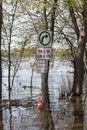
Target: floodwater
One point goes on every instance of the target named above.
(65, 116)
(57, 114)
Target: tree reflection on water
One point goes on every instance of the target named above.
(78, 106)
(67, 115)
(1, 120)
(58, 114)
(44, 116)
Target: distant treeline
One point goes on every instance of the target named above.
(31, 51)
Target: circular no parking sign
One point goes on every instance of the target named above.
(45, 38)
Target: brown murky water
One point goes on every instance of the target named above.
(57, 114)
(64, 115)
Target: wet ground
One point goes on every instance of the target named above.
(58, 114)
(63, 115)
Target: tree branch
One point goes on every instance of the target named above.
(73, 18)
(45, 16)
(53, 18)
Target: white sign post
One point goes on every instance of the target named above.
(43, 51)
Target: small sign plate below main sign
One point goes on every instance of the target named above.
(43, 53)
(42, 66)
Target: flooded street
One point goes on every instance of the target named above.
(64, 116)
(58, 114)
(43, 64)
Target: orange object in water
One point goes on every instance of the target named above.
(40, 105)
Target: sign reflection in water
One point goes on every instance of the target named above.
(44, 115)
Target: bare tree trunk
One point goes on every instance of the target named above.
(0, 50)
(79, 54)
(45, 75)
(79, 65)
(1, 119)
(18, 60)
(48, 121)
(78, 76)
(9, 50)
(9, 71)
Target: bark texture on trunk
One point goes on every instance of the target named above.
(0, 50)
(79, 54)
(78, 64)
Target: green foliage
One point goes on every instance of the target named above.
(76, 4)
(28, 52)
(61, 52)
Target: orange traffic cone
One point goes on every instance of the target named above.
(40, 105)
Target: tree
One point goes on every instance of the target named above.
(8, 33)
(66, 18)
(14, 37)
(71, 26)
(81, 34)
(45, 87)
(0, 49)
(17, 60)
